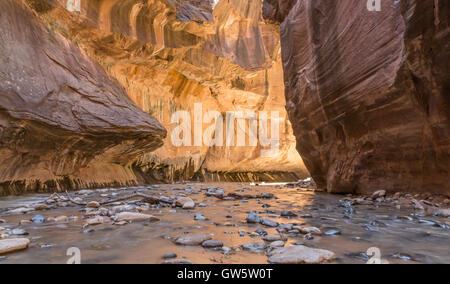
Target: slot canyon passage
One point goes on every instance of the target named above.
(89, 101)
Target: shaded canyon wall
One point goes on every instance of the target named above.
(368, 92)
(64, 123)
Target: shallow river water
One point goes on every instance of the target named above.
(400, 240)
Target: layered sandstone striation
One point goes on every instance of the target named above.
(170, 55)
(64, 123)
(368, 92)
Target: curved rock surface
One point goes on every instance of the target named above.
(64, 123)
(170, 55)
(368, 92)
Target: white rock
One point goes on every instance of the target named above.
(134, 217)
(10, 245)
(300, 255)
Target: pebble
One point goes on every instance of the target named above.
(254, 247)
(41, 207)
(427, 222)
(308, 237)
(443, 213)
(177, 261)
(212, 244)
(185, 203)
(407, 218)
(38, 219)
(378, 194)
(10, 245)
(269, 223)
(300, 255)
(93, 204)
(332, 232)
(97, 220)
(134, 217)
(21, 210)
(260, 232)
(170, 255)
(277, 244)
(199, 217)
(272, 238)
(192, 239)
(88, 231)
(242, 233)
(309, 230)
(18, 232)
(253, 218)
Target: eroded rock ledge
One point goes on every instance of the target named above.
(64, 123)
(368, 92)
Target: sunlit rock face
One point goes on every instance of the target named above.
(368, 92)
(170, 55)
(64, 123)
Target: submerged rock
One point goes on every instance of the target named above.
(300, 255)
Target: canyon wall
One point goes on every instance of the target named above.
(170, 55)
(368, 92)
(64, 123)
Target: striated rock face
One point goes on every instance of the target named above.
(64, 123)
(170, 55)
(368, 92)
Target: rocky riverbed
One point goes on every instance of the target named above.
(224, 223)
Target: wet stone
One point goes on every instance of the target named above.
(212, 244)
(332, 232)
(272, 238)
(269, 223)
(177, 261)
(300, 255)
(11, 245)
(277, 244)
(261, 232)
(200, 217)
(38, 219)
(192, 239)
(254, 247)
(170, 255)
(253, 218)
(19, 232)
